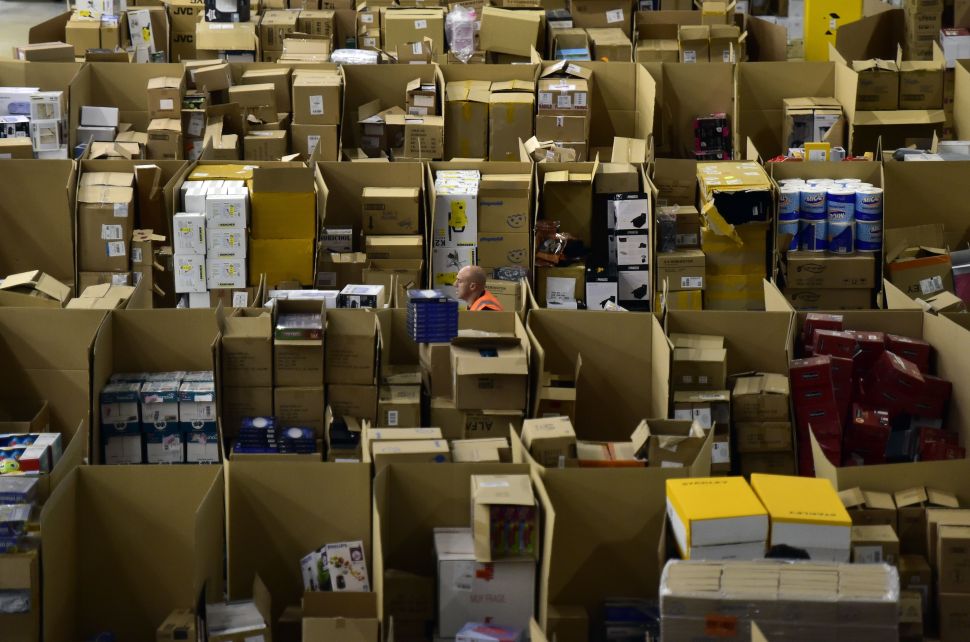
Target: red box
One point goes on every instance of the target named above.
(871, 346)
(915, 350)
(917, 423)
(817, 321)
(868, 417)
(823, 417)
(936, 393)
(813, 372)
(834, 343)
(935, 444)
(842, 370)
(867, 436)
(899, 374)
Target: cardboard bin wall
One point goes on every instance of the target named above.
(625, 364)
(39, 223)
(151, 341)
(274, 521)
(106, 529)
(690, 91)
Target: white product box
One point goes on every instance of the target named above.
(225, 242)
(15, 101)
(189, 234)
(226, 273)
(455, 212)
(633, 285)
(140, 28)
(197, 402)
(53, 154)
(445, 263)
(599, 293)
(633, 214)
(99, 116)
(198, 300)
(170, 450)
(122, 449)
(464, 593)
(189, 273)
(45, 135)
(361, 296)
(348, 568)
(337, 239)
(97, 134)
(48, 105)
(201, 448)
(632, 249)
(227, 210)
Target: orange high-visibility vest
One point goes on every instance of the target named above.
(486, 302)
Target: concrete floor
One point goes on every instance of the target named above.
(17, 17)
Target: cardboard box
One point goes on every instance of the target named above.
(274, 26)
(394, 247)
(83, 33)
(404, 26)
(774, 463)
(358, 402)
(472, 424)
(708, 407)
(954, 614)
(504, 250)
(415, 451)
(762, 397)
(105, 221)
(829, 299)
(562, 128)
(238, 403)
(165, 139)
(874, 544)
(498, 382)
(611, 45)
(216, 77)
(658, 50)
(421, 98)
(391, 210)
(281, 260)
(348, 616)
(504, 501)
(399, 406)
(564, 90)
(466, 111)
(869, 508)
(695, 43)
(601, 14)
(811, 270)
(668, 443)
(317, 98)
(510, 119)
(416, 137)
(315, 142)
(283, 204)
(280, 78)
(352, 353)
(551, 441)
(247, 350)
(504, 203)
(213, 38)
(683, 270)
(921, 84)
(256, 101)
(316, 23)
(699, 369)
(953, 559)
(878, 85)
(165, 97)
(763, 436)
(511, 32)
(265, 145)
(808, 120)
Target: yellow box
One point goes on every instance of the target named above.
(821, 27)
(284, 203)
(281, 260)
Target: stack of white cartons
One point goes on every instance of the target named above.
(210, 239)
(455, 235)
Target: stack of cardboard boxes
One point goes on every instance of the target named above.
(183, 15)
(299, 333)
(563, 114)
(247, 368)
(106, 215)
(698, 383)
(736, 203)
(924, 19)
(510, 113)
(391, 212)
(317, 103)
(284, 227)
(227, 32)
(454, 225)
(352, 355)
(762, 424)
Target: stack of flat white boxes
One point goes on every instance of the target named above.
(210, 239)
(455, 235)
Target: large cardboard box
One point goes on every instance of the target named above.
(105, 221)
(317, 98)
(404, 26)
(283, 202)
(281, 260)
(348, 616)
(467, 114)
(496, 377)
(511, 32)
(103, 519)
(247, 349)
(353, 346)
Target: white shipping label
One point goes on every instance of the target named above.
(703, 417)
(690, 55)
(392, 417)
(136, 255)
(5, 156)
(121, 210)
(702, 380)
(424, 101)
(692, 282)
(420, 24)
(417, 48)
(119, 279)
(720, 453)
(312, 141)
(564, 101)
(579, 100)
(116, 248)
(545, 99)
(465, 576)
(240, 299)
(726, 56)
(111, 232)
(367, 18)
(560, 121)
(166, 104)
(196, 124)
(219, 26)
(614, 16)
(316, 105)
(671, 464)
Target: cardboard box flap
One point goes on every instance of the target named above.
(900, 117)
(513, 86)
(567, 68)
(262, 600)
(879, 500)
(852, 497)
(628, 150)
(283, 179)
(476, 91)
(113, 179)
(900, 239)
(942, 498)
(37, 281)
(326, 604)
(515, 490)
(915, 496)
(17, 571)
(103, 194)
(165, 124)
(874, 65)
(505, 364)
(766, 383)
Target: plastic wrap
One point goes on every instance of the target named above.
(460, 31)
(790, 600)
(355, 57)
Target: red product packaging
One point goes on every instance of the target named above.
(898, 374)
(813, 372)
(915, 350)
(867, 417)
(817, 321)
(936, 393)
(867, 436)
(934, 444)
(871, 346)
(834, 343)
(842, 370)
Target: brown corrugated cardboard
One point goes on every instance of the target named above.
(390, 210)
(869, 508)
(399, 406)
(358, 402)
(811, 270)
(105, 221)
(611, 45)
(878, 85)
(466, 110)
(551, 441)
(299, 407)
(874, 544)
(761, 397)
(165, 139)
(511, 32)
(247, 349)
(316, 98)
(351, 357)
(347, 616)
(472, 424)
(510, 119)
(125, 505)
(403, 26)
(763, 436)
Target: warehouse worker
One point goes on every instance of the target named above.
(470, 284)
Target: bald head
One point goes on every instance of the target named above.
(470, 283)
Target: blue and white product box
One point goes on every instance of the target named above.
(128, 377)
(176, 375)
(120, 404)
(15, 489)
(197, 407)
(159, 404)
(121, 448)
(198, 375)
(164, 445)
(201, 448)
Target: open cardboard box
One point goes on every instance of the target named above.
(151, 341)
(611, 402)
(107, 528)
(410, 501)
(268, 537)
(39, 223)
(689, 91)
(351, 617)
(48, 353)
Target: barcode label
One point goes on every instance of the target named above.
(579, 100)
(690, 56)
(116, 248)
(564, 102)
(720, 453)
(392, 417)
(119, 279)
(316, 105)
(166, 104)
(121, 210)
(420, 24)
(865, 554)
(111, 232)
(136, 255)
(931, 285)
(692, 282)
(311, 144)
(614, 16)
